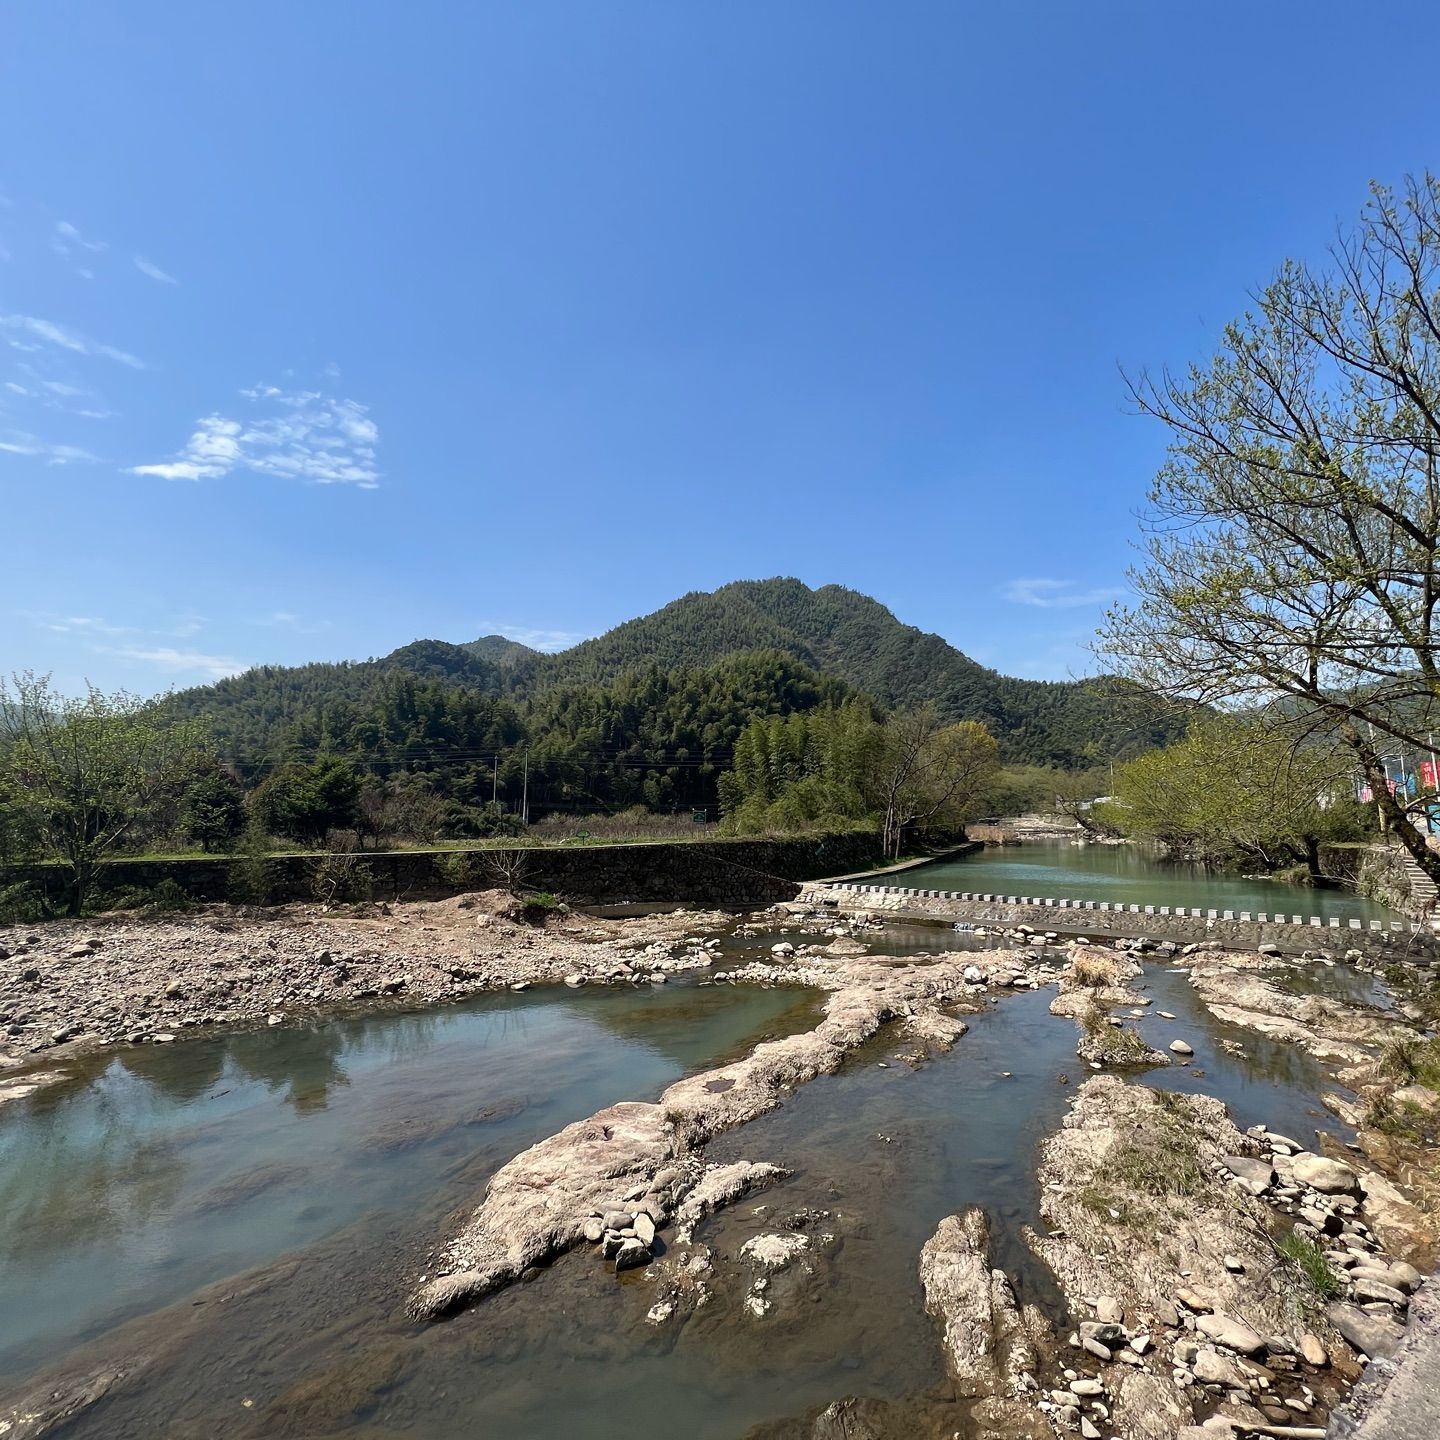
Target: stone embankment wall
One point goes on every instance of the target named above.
(1385, 873)
(1239, 929)
(737, 873)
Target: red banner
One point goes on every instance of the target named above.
(1427, 775)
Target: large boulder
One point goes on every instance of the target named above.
(1226, 1330)
(1329, 1177)
(1372, 1335)
(985, 1338)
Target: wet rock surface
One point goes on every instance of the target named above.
(1326, 1027)
(991, 1348)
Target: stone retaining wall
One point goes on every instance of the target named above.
(1241, 929)
(738, 873)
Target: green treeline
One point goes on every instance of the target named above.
(652, 737)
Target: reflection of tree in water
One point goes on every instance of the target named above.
(397, 1037)
(87, 1169)
(300, 1065)
(180, 1072)
(668, 1022)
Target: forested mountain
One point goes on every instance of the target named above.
(840, 632)
(653, 736)
(648, 712)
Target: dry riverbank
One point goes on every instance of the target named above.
(69, 986)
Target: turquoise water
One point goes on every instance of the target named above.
(1129, 875)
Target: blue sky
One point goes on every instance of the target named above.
(326, 326)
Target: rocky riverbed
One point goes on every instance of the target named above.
(1214, 1280)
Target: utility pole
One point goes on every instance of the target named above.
(495, 782)
(525, 790)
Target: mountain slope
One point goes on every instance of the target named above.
(832, 631)
(843, 633)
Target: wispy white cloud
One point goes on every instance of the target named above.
(68, 238)
(536, 639)
(289, 620)
(150, 268)
(30, 333)
(306, 435)
(62, 395)
(32, 447)
(77, 624)
(1051, 594)
(179, 662)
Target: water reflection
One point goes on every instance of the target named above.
(160, 1168)
(301, 1075)
(877, 1156)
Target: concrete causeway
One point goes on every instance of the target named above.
(1242, 929)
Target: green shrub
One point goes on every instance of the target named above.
(169, 895)
(456, 869)
(22, 904)
(537, 907)
(1307, 1262)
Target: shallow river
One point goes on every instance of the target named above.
(1130, 875)
(324, 1162)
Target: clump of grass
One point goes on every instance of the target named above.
(1160, 1161)
(1110, 1043)
(1413, 1062)
(1403, 1120)
(1420, 988)
(538, 906)
(1162, 1165)
(1306, 1260)
(1399, 1059)
(1121, 1046)
(1094, 969)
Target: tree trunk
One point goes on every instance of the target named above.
(1312, 859)
(1392, 812)
(79, 885)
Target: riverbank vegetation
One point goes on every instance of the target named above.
(908, 773)
(1238, 794)
(1292, 558)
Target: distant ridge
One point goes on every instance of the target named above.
(836, 632)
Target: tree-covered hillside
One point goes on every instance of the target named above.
(653, 736)
(647, 712)
(840, 632)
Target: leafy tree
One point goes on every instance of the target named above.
(1237, 791)
(306, 802)
(931, 775)
(1293, 554)
(213, 807)
(405, 807)
(841, 764)
(252, 873)
(84, 772)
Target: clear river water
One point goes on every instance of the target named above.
(1130, 875)
(238, 1219)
